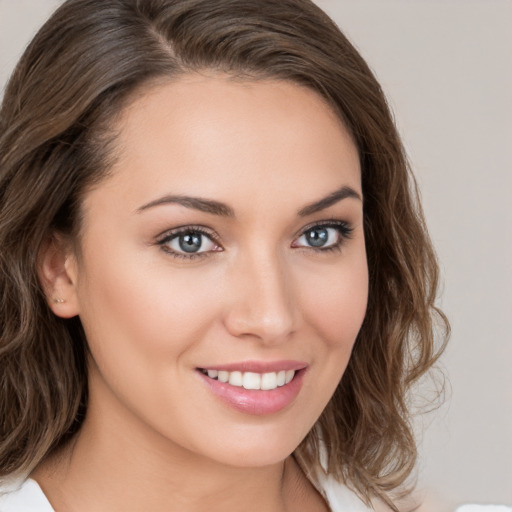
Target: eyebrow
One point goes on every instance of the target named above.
(195, 203)
(223, 210)
(330, 200)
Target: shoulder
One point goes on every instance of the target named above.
(23, 496)
(339, 497)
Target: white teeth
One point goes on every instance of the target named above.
(236, 379)
(252, 380)
(269, 381)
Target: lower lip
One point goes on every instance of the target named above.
(254, 401)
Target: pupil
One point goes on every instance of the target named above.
(317, 237)
(190, 242)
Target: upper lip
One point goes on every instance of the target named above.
(258, 366)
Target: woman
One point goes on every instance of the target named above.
(217, 283)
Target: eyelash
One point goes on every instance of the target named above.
(175, 233)
(344, 229)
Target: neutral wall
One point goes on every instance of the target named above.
(446, 66)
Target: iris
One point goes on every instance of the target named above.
(317, 237)
(190, 242)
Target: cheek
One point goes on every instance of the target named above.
(334, 303)
(132, 308)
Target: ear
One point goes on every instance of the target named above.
(58, 272)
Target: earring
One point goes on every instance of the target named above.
(58, 301)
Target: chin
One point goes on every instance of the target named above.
(257, 448)
(258, 457)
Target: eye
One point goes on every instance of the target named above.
(324, 236)
(188, 243)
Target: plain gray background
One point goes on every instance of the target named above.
(446, 67)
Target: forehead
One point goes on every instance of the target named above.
(233, 140)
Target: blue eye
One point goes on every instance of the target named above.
(324, 236)
(188, 243)
(194, 242)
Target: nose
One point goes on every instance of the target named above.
(262, 305)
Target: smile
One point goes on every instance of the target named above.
(252, 380)
(256, 387)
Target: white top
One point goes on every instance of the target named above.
(27, 496)
(484, 508)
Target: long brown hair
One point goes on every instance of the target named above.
(56, 140)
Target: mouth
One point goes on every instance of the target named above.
(256, 388)
(251, 380)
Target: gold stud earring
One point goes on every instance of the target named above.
(58, 301)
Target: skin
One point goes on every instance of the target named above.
(155, 437)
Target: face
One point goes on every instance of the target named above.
(222, 276)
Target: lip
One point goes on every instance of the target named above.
(257, 402)
(258, 366)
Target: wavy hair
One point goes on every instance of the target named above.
(56, 139)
